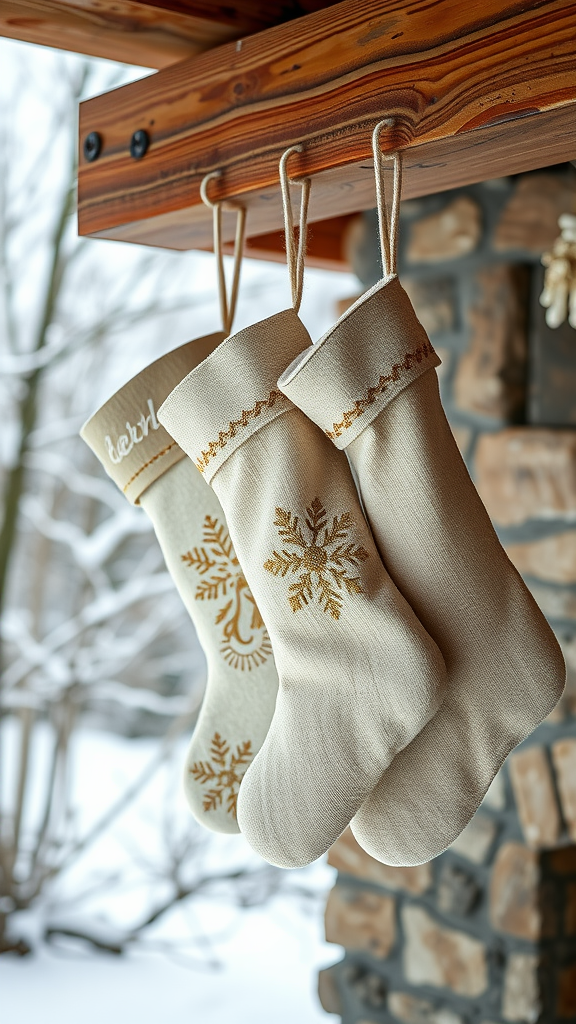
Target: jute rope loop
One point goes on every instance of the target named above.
(295, 254)
(229, 302)
(388, 227)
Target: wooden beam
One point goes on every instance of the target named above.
(327, 244)
(477, 90)
(152, 33)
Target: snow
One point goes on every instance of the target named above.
(206, 962)
(268, 977)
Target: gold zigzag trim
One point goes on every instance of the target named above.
(359, 408)
(235, 425)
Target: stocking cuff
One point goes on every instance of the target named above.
(234, 393)
(126, 435)
(375, 350)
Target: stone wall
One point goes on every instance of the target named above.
(486, 933)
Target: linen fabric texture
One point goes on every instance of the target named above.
(370, 385)
(359, 676)
(152, 470)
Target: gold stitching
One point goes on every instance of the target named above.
(149, 463)
(360, 406)
(222, 772)
(245, 642)
(322, 561)
(237, 659)
(225, 435)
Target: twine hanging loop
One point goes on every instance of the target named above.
(388, 227)
(228, 302)
(295, 254)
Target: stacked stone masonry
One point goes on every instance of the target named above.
(486, 933)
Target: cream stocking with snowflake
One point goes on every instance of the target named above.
(359, 675)
(370, 385)
(154, 472)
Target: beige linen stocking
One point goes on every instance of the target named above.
(370, 384)
(359, 677)
(151, 470)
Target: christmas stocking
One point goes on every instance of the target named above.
(153, 471)
(359, 676)
(371, 386)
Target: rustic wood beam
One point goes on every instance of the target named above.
(152, 33)
(476, 90)
(327, 246)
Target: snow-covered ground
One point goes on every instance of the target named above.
(268, 978)
(207, 961)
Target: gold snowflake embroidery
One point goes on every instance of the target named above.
(322, 562)
(222, 772)
(245, 642)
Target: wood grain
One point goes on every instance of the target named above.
(477, 90)
(151, 33)
(326, 245)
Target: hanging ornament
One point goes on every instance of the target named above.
(559, 293)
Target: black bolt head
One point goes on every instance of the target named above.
(92, 146)
(139, 144)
